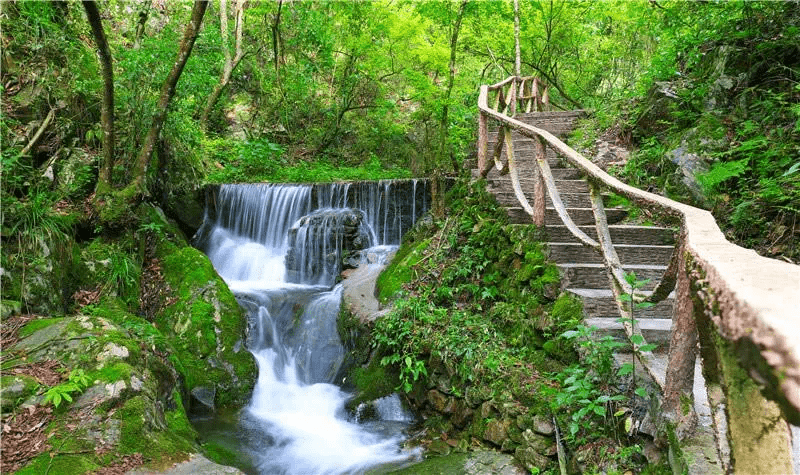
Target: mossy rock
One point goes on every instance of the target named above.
(14, 389)
(132, 403)
(205, 325)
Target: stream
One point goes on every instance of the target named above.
(280, 249)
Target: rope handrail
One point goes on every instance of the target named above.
(746, 299)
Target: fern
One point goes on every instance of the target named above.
(720, 172)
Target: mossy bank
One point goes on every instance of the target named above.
(151, 333)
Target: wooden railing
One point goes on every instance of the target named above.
(742, 308)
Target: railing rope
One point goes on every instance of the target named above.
(740, 307)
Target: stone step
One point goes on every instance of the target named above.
(654, 330)
(620, 234)
(593, 276)
(628, 253)
(527, 185)
(559, 173)
(527, 169)
(570, 200)
(600, 303)
(554, 115)
(580, 216)
(524, 148)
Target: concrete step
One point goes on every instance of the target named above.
(553, 115)
(570, 200)
(593, 276)
(654, 330)
(600, 303)
(628, 253)
(620, 234)
(527, 184)
(559, 173)
(580, 216)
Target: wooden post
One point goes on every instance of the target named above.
(538, 183)
(483, 139)
(678, 403)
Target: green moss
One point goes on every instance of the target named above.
(400, 271)
(113, 373)
(36, 325)
(220, 454)
(14, 389)
(58, 465)
(205, 325)
(141, 434)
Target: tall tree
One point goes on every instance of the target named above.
(230, 62)
(167, 92)
(445, 126)
(107, 110)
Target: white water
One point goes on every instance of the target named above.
(296, 420)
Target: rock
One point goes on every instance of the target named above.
(437, 400)
(608, 154)
(497, 431)
(112, 350)
(496, 463)
(196, 465)
(205, 397)
(14, 389)
(439, 447)
(542, 425)
(531, 459)
(689, 166)
(318, 241)
(9, 308)
(543, 445)
(205, 324)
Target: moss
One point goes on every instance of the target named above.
(36, 325)
(400, 271)
(220, 454)
(140, 432)
(177, 421)
(205, 325)
(14, 389)
(113, 373)
(58, 465)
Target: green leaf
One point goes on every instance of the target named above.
(599, 410)
(642, 392)
(637, 339)
(625, 369)
(628, 424)
(648, 347)
(794, 167)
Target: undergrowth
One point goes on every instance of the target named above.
(478, 297)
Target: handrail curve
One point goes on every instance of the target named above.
(749, 300)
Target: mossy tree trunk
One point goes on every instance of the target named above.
(107, 112)
(230, 62)
(445, 130)
(167, 92)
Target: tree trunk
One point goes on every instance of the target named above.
(445, 130)
(276, 44)
(167, 92)
(107, 111)
(230, 64)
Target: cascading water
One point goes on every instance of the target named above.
(280, 248)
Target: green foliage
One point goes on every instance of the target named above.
(260, 160)
(78, 381)
(477, 297)
(586, 391)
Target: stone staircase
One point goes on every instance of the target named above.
(645, 250)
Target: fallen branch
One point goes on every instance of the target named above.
(38, 134)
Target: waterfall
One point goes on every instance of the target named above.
(280, 250)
